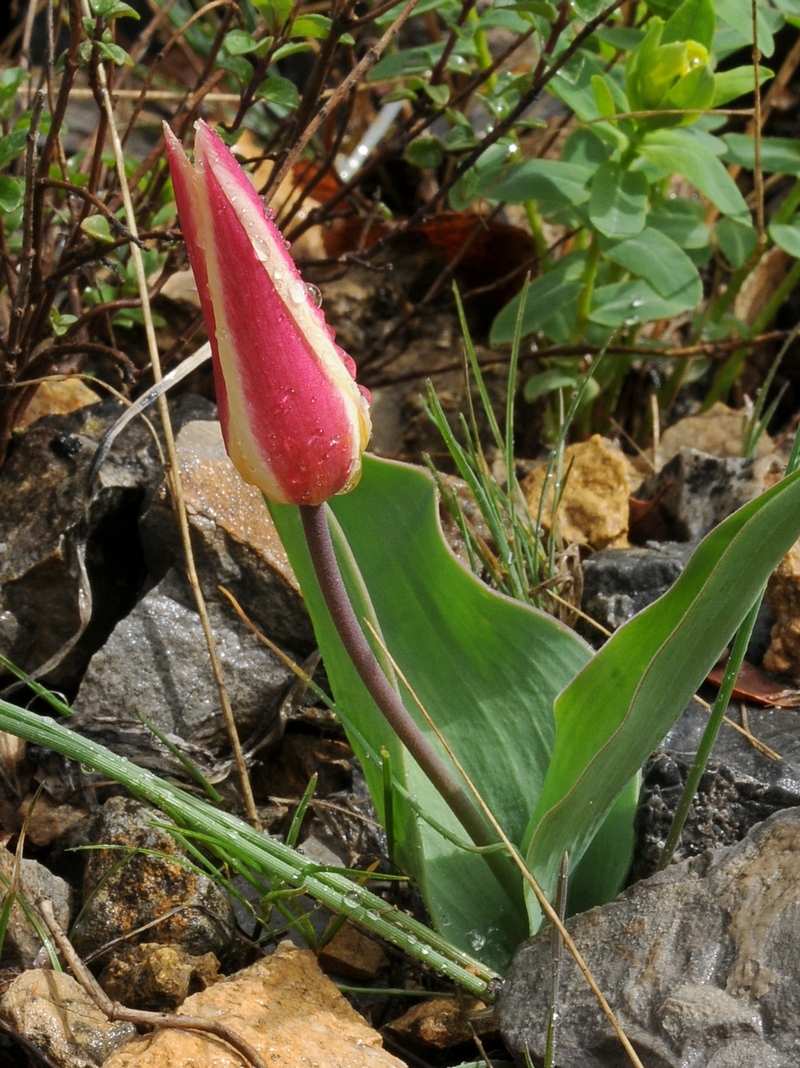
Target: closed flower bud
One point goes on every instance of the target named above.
(294, 421)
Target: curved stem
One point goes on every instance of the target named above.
(326, 567)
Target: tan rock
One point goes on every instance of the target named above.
(47, 820)
(783, 598)
(57, 398)
(216, 495)
(284, 1007)
(443, 1022)
(594, 505)
(717, 432)
(58, 1016)
(352, 954)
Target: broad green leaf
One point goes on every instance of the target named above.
(694, 20)
(547, 382)
(629, 303)
(661, 263)
(12, 146)
(279, 91)
(678, 150)
(736, 240)
(487, 669)
(618, 203)
(603, 97)
(787, 236)
(481, 179)
(548, 181)
(547, 296)
(239, 43)
(683, 221)
(585, 149)
(779, 155)
(612, 716)
(311, 25)
(731, 84)
(739, 17)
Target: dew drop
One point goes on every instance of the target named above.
(286, 244)
(270, 213)
(315, 294)
(351, 899)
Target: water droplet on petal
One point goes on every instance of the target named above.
(315, 293)
(287, 244)
(270, 213)
(297, 292)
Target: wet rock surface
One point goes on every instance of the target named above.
(156, 663)
(741, 786)
(701, 964)
(57, 1015)
(124, 890)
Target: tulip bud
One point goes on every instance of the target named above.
(294, 421)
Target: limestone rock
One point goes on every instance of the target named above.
(283, 1006)
(58, 1016)
(618, 583)
(717, 432)
(594, 505)
(121, 894)
(701, 964)
(57, 397)
(353, 954)
(442, 1023)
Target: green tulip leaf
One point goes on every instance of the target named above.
(620, 706)
(486, 668)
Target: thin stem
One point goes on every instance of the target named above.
(326, 568)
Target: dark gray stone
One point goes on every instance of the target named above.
(701, 965)
(156, 662)
(618, 583)
(740, 787)
(696, 491)
(124, 891)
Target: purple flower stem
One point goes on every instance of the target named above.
(326, 567)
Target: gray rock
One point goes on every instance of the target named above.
(234, 540)
(122, 891)
(696, 491)
(55, 1013)
(156, 662)
(22, 945)
(618, 583)
(701, 965)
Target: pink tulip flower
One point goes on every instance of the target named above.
(294, 421)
